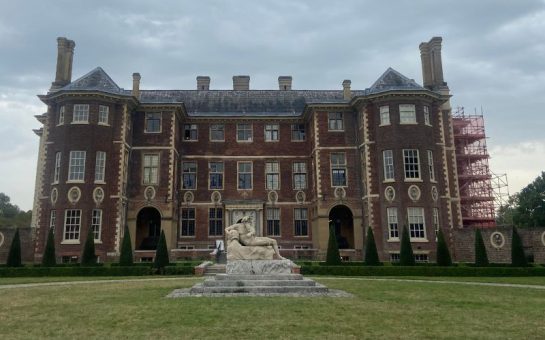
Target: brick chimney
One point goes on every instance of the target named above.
(65, 56)
(284, 83)
(203, 83)
(432, 65)
(347, 94)
(136, 85)
(241, 83)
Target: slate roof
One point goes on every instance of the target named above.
(242, 103)
(96, 80)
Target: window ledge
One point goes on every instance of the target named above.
(97, 242)
(187, 237)
(335, 130)
(75, 181)
(189, 188)
(419, 240)
(60, 124)
(384, 125)
(214, 189)
(153, 132)
(100, 182)
(103, 124)
(70, 242)
(250, 189)
(217, 141)
(80, 123)
(191, 140)
(389, 181)
(413, 180)
(393, 239)
(272, 141)
(433, 181)
(301, 236)
(298, 141)
(411, 123)
(244, 141)
(429, 125)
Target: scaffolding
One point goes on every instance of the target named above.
(474, 176)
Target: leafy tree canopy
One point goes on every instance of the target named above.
(11, 215)
(526, 208)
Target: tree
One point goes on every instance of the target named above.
(527, 208)
(481, 258)
(88, 257)
(14, 255)
(333, 256)
(371, 254)
(406, 256)
(161, 254)
(443, 254)
(11, 215)
(49, 259)
(518, 259)
(126, 257)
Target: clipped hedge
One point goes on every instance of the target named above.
(178, 270)
(421, 271)
(74, 271)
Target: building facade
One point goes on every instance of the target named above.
(191, 162)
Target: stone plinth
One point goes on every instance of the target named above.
(260, 267)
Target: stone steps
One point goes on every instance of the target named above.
(214, 270)
(259, 283)
(259, 290)
(242, 277)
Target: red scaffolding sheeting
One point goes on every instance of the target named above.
(474, 176)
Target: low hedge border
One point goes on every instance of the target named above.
(421, 271)
(74, 271)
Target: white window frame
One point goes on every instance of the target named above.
(191, 132)
(60, 118)
(245, 172)
(421, 258)
(410, 168)
(215, 219)
(103, 115)
(435, 221)
(338, 166)
(53, 219)
(153, 116)
(76, 167)
(297, 132)
(335, 121)
(272, 132)
(272, 175)
(188, 222)
(431, 167)
(388, 165)
(80, 114)
(417, 223)
(299, 170)
(217, 127)
(190, 172)
(427, 120)
(245, 128)
(150, 168)
(384, 115)
(100, 167)
(213, 170)
(96, 224)
(407, 114)
(72, 226)
(300, 222)
(57, 167)
(393, 223)
(273, 222)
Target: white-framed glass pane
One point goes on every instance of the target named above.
(57, 172)
(272, 175)
(189, 175)
(72, 223)
(188, 222)
(245, 175)
(60, 119)
(335, 121)
(96, 223)
(431, 168)
(427, 115)
(300, 221)
(411, 162)
(216, 175)
(388, 161)
(52, 219)
(407, 114)
(153, 122)
(384, 115)
(244, 132)
(100, 166)
(272, 132)
(273, 221)
(298, 132)
(217, 132)
(215, 221)
(415, 217)
(393, 230)
(76, 171)
(338, 169)
(103, 113)
(299, 175)
(151, 169)
(191, 132)
(81, 113)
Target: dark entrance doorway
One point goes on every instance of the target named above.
(344, 226)
(148, 229)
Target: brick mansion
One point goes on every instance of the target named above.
(192, 162)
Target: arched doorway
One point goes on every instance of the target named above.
(344, 226)
(148, 229)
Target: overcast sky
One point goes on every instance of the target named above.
(493, 58)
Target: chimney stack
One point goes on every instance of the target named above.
(203, 83)
(241, 83)
(65, 56)
(136, 85)
(284, 83)
(347, 94)
(432, 65)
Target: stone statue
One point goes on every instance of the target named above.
(242, 244)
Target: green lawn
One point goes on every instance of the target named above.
(380, 309)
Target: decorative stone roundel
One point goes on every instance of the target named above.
(273, 197)
(188, 197)
(340, 193)
(543, 238)
(300, 197)
(414, 193)
(497, 239)
(216, 197)
(98, 195)
(389, 193)
(434, 193)
(1, 239)
(74, 194)
(54, 196)
(149, 193)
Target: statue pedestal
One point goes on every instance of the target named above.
(261, 267)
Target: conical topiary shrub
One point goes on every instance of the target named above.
(161, 254)
(49, 259)
(406, 256)
(126, 257)
(333, 256)
(518, 259)
(88, 257)
(481, 258)
(443, 254)
(14, 255)
(371, 253)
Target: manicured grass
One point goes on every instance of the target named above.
(22, 280)
(379, 309)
